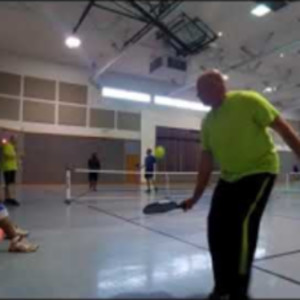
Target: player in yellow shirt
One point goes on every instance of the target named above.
(15, 234)
(235, 134)
(9, 168)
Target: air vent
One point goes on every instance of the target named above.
(169, 68)
(175, 63)
(169, 62)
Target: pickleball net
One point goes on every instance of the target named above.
(122, 184)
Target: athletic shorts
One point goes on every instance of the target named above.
(9, 177)
(149, 175)
(93, 176)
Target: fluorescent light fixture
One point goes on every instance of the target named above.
(260, 10)
(72, 41)
(125, 95)
(179, 103)
(270, 89)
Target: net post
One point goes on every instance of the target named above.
(68, 192)
(287, 181)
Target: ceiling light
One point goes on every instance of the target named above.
(125, 95)
(281, 55)
(225, 76)
(72, 41)
(179, 103)
(220, 33)
(268, 89)
(260, 10)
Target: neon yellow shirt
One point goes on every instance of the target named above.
(9, 158)
(238, 137)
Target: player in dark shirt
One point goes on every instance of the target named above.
(149, 164)
(93, 164)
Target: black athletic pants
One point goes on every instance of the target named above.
(233, 226)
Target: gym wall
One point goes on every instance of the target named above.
(48, 156)
(45, 98)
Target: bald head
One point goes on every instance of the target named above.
(211, 88)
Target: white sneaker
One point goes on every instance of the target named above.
(21, 232)
(22, 246)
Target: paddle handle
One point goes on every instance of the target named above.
(182, 205)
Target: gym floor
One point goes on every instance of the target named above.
(106, 248)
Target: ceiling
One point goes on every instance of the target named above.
(249, 50)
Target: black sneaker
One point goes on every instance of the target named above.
(240, 297)
(215, 296)
(12, 202)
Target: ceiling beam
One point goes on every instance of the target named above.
(83, 15)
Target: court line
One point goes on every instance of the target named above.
(147, 228)
(170, 215)
(278, 255)
(137, 218)
(79, 196)
(131, 220)
(291, 280)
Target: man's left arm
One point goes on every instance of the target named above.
(289, 135)
(266, 115)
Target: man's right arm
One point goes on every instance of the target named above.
(204, 173)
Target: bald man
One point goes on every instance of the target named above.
(235, 134)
